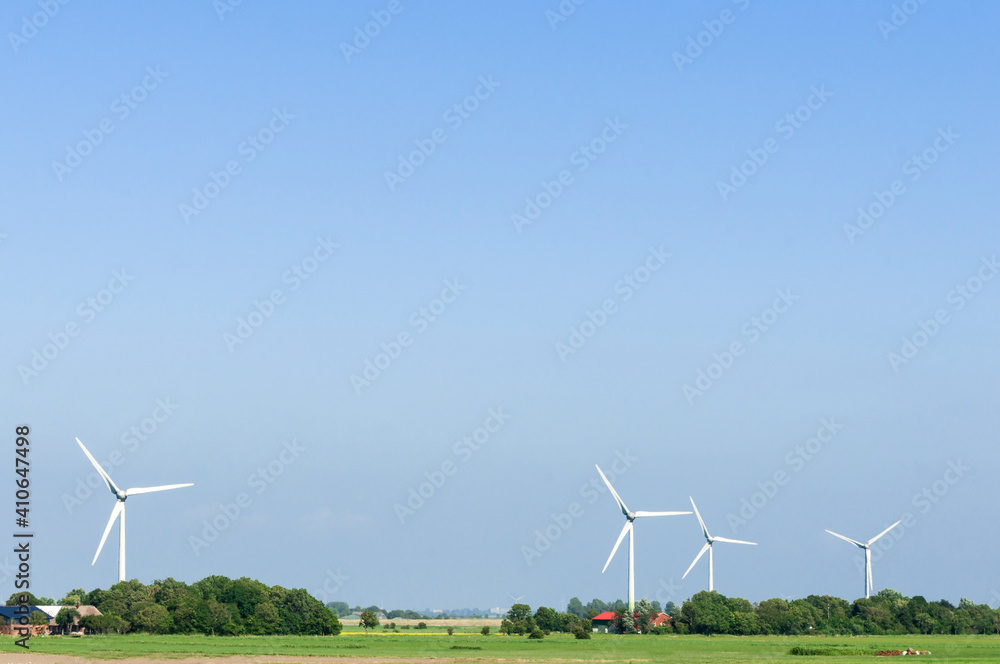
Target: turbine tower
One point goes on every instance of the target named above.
(868, 555)
(629, 518)
(708, 547)
(119, 510)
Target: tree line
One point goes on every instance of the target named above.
(216, 605)
(886, 612)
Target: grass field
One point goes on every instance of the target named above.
(468, 645)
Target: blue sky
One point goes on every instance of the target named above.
(645, 244)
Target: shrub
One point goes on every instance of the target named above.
(580, 634)
(421, 625)
(451, 630)
(832, 651)
(485, 631)
(536, 634)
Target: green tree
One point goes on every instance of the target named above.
(776, 617)
(266, 618)
(152, 618)
(705, 613)
(14, 600)
(104, 624)
(220, 619)
(644, 615)
(66, 618)
(74, 597)
(368, 620)
(97, 624)
(547, 618)
(924, 623)
(834, 613)
(38, 618)
(568, 622)
(577, 608)
(624, 621)
(485, 631)
(744, 624)
(520, 617)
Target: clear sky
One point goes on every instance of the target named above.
(252, 247)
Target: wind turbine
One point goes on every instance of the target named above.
(708, 547)
(629, 518)
(119, 510)
(869, 586)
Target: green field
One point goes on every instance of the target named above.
(468, 645)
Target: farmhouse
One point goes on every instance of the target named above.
(605, 622)
(662, 619)
(11, 626)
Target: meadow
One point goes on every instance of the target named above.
(467, 644)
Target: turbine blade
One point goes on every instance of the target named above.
(618, 499)
(100, 471)
(731, 541)
(705, 547)
(615, 550)
(133, 492)
(847, 539)
(119, 507)
(704, 529)
(638, 514)
(872, 540)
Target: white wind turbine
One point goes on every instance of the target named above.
(630, 517)
(119, 510)
(869, 586)
(708, 547)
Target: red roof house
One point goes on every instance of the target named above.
(607, 619)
